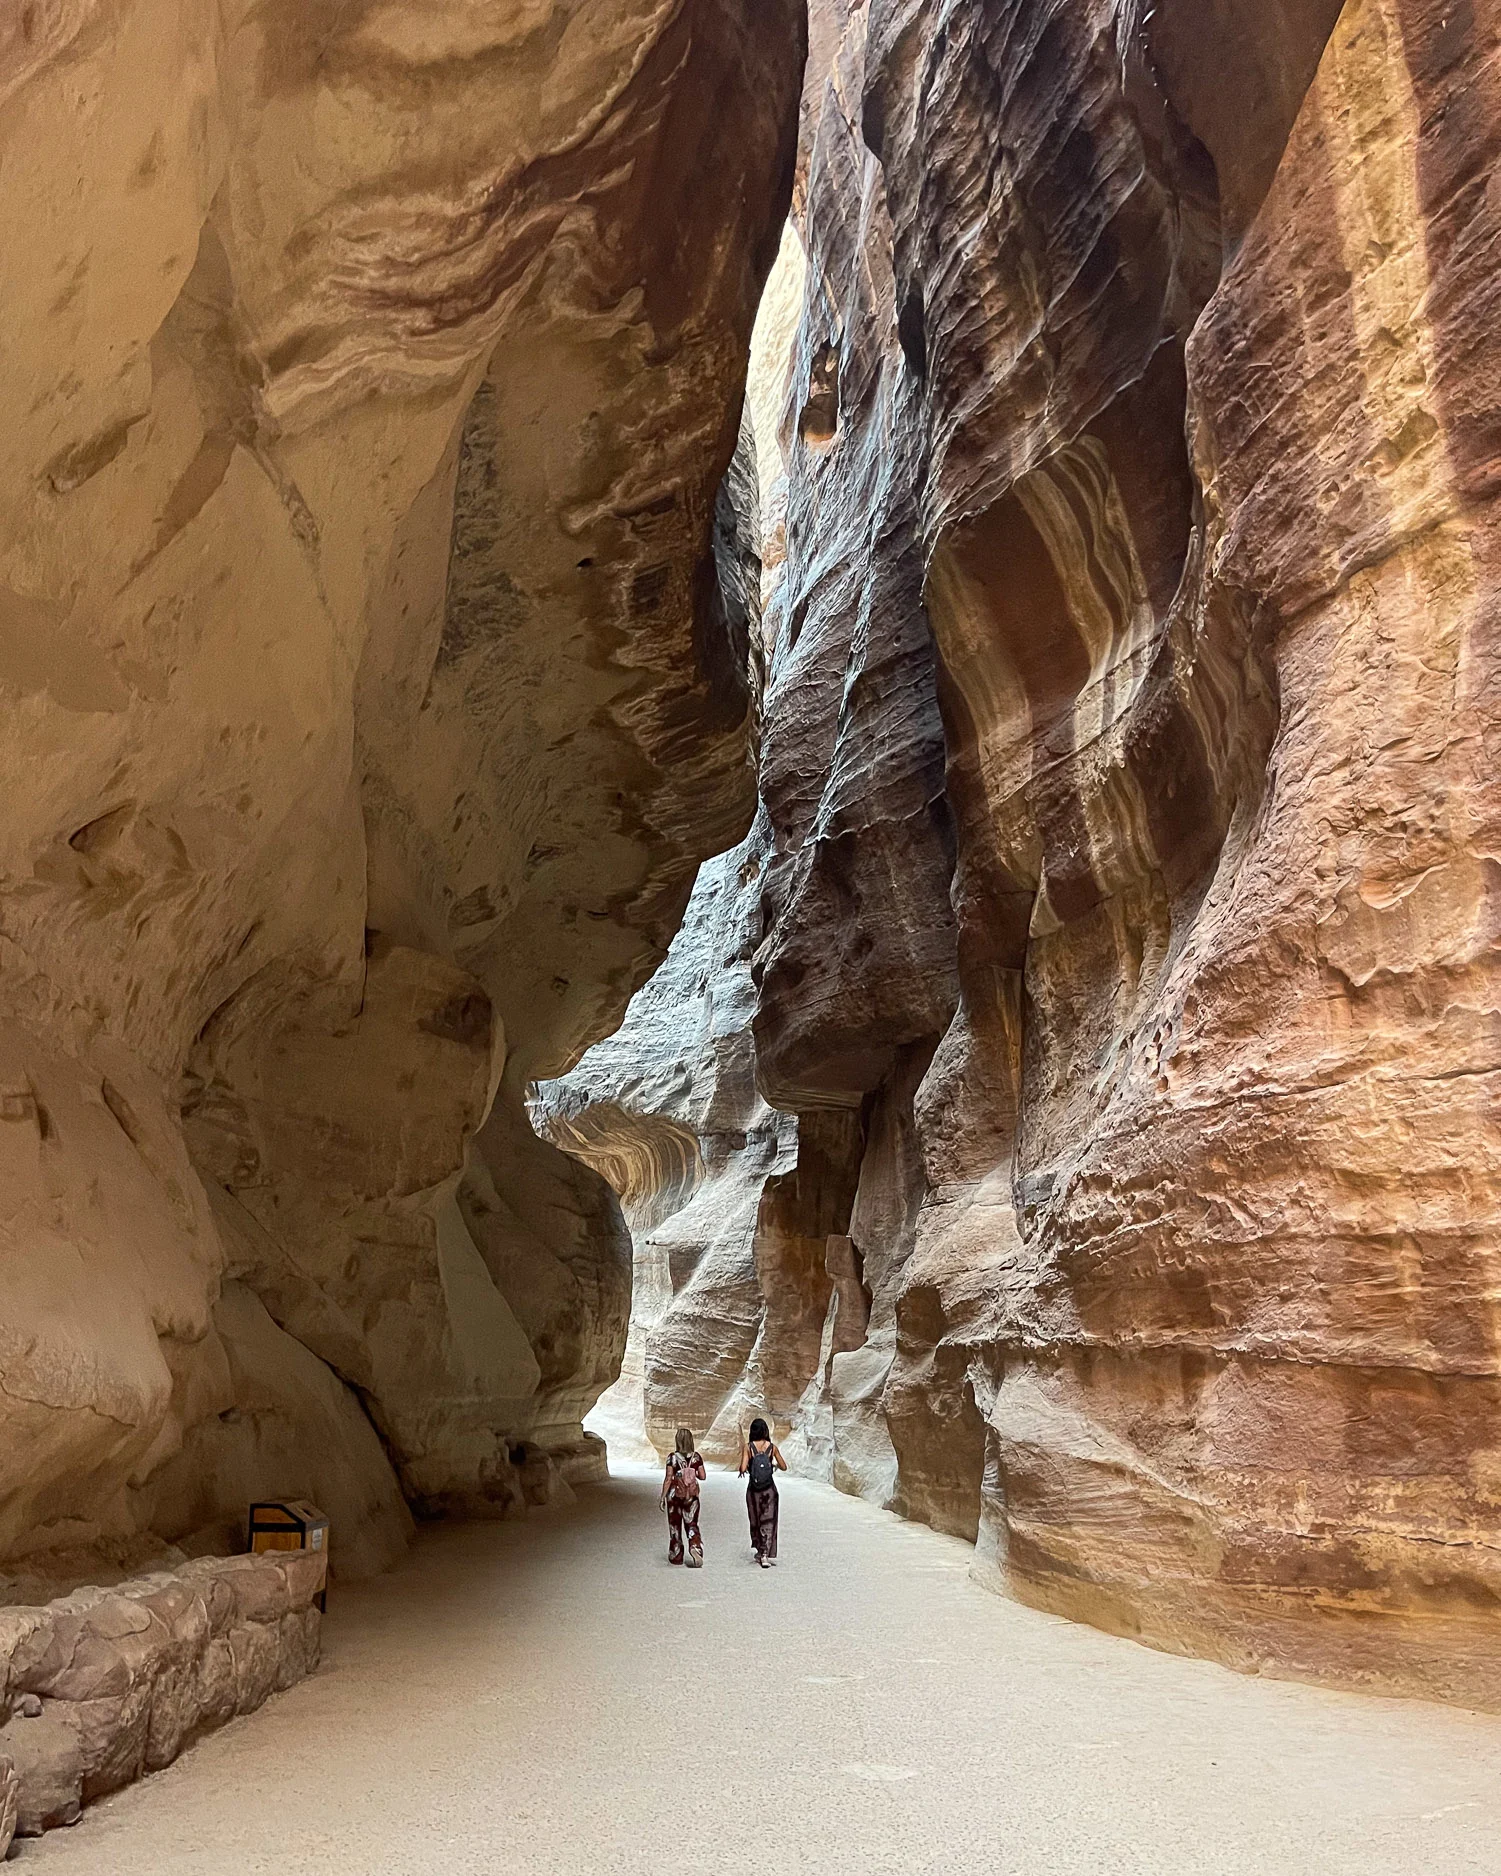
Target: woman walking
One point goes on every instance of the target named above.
(680, 1500)
(760, 1458)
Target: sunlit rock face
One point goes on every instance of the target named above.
(1207, 1238)
(373, 688)
(1128, 898)
(1208, 534)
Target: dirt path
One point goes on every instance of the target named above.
(552, 1697)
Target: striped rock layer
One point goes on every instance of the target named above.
(1127, 901)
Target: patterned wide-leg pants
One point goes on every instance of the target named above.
(762, 1507)
(682, 1528)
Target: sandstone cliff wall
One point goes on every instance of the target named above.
(373, 688)
(667, 1110)
(1208, 547)
(1128, 906)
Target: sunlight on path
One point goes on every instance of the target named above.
(551, 1698)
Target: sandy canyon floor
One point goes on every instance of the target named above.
(552, 1697)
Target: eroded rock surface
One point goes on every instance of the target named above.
(1128, 908)
(1208, 549)
(375, 682)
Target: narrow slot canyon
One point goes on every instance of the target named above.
(726, 710)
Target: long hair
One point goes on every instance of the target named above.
(760, 1430)
(685, 1441)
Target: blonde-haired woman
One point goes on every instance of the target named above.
(680, 1499)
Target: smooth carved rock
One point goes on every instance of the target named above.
(293, 1418)
(667, 1110)
(376, 679)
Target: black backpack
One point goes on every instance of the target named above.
(762, 1470)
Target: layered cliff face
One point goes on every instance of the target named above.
(1215, 733)
(1128, 897)
(376, 680)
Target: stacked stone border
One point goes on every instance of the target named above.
(102, 1686)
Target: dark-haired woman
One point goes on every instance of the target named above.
(760, 1458)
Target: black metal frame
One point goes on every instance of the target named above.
(299, 1525)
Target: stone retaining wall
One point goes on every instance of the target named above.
(105, 1685)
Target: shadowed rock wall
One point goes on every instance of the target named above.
(373, 689)
(1128, 908)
